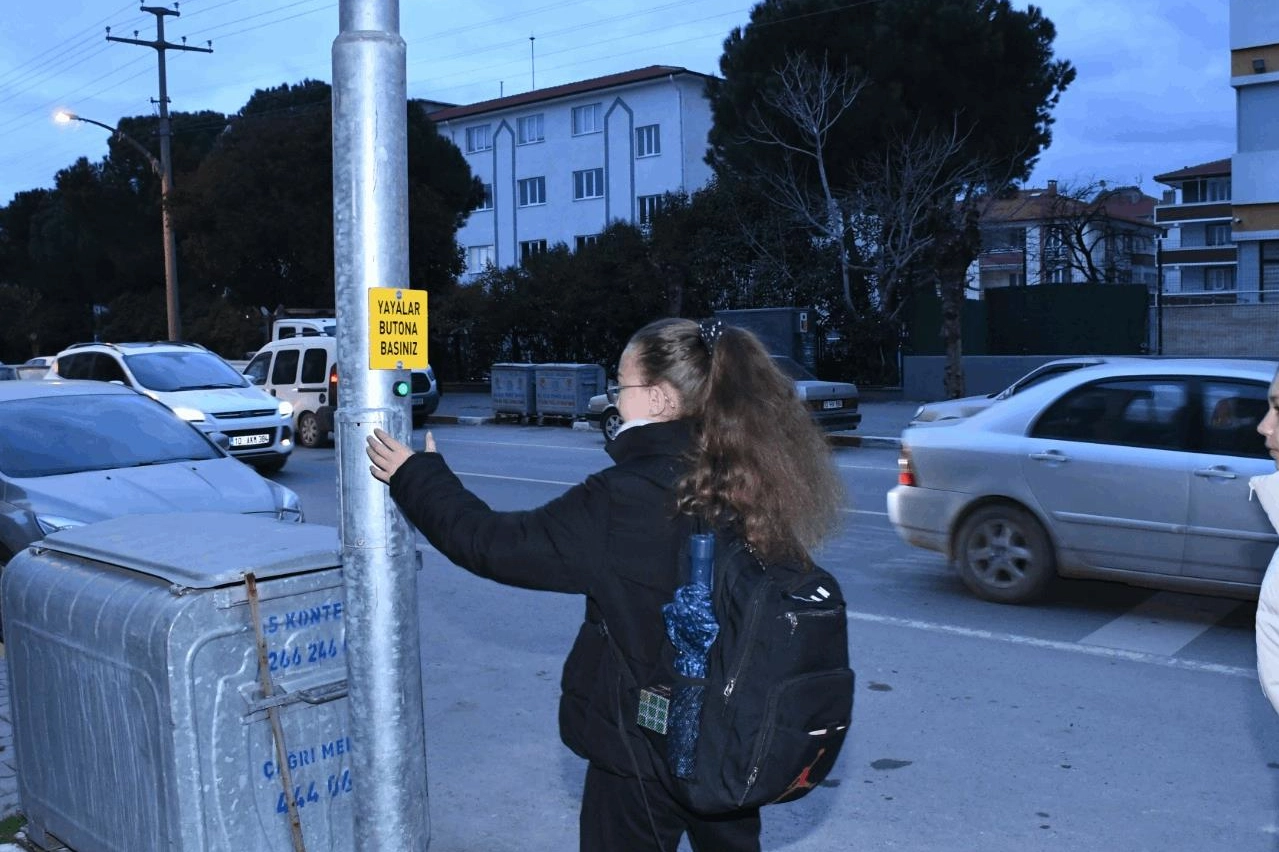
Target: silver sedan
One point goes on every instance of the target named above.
(1135, 471)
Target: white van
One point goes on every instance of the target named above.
(298, 370)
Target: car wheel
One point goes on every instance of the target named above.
(1004, 555)
(270, 466)
(309, 432)
(610, 422)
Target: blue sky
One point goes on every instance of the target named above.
(1152, 94)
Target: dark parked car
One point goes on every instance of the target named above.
(1134, 471)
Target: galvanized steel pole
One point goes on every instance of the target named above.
(370, 242)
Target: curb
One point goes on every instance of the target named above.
(836, 439)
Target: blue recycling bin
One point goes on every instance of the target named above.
(565, 390)
(512, 389)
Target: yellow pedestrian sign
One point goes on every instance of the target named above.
(397, 329)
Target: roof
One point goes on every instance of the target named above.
(1217, 168)
(1038, 205)
(652, 72)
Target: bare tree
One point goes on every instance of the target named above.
(900, 199)
(810, 100)
(1083, 232)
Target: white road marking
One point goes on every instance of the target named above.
(1164, 623)
(863, 512)
(1052, 645)
(879, 467)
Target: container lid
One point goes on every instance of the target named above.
(202, 550)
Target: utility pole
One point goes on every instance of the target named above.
(166, 160)
(379, 558)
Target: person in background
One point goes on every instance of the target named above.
(711, 429)
(1267, 490)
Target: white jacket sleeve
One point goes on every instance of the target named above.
(1266, 489)
(1268, 633)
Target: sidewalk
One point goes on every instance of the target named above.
(881, 426)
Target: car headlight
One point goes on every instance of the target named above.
(918, 411)
(53, 523)
(286, 408)
(191, 415)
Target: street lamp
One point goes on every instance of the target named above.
(170, 243)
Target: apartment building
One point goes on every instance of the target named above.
(1197, 257)
(559, 164)
(1042, 235)
(1254, 74)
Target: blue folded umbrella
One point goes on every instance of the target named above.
(692, 628)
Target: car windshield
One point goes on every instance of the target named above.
(179, 371)
(53, 435)
(792, 369)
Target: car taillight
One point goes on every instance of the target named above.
(906, 468)
(333, 386)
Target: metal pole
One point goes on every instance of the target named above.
(166, 183)
(370, 241)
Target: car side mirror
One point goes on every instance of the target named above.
(222, 439)
(256, 380)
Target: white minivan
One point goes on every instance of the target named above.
(298, 369)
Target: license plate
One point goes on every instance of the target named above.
(832, 403)
(250, 440)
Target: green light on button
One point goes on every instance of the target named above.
(400, 388)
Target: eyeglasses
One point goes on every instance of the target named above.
(616, 390)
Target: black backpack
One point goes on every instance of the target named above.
(778, 691)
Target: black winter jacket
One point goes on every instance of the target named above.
(615, 538)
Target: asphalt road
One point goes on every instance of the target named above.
(1108, 718)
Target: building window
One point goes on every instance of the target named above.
(478, 258)
(532, 191)
(1219, 278)
(1016, 279)
(587, 119)
(583, 240)
(1205, 190)
(1218, 234)
(486, 203)
(528, 248)
(588, 184)
(1060, 275)
(1269, 268)
(478, 139)
(529, 129)
(648, 140)
(648, 206)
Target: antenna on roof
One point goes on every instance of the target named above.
(532, 66)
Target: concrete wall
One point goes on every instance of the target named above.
(1219, 331)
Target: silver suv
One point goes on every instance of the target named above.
(199, 386)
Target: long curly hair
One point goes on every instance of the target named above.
(759, 462)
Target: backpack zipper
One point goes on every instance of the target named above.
(756, 601)
(793, 616)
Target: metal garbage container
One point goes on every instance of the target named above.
(565, 390)
(512, 389)
(139, 718)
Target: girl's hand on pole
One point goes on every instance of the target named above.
(387, 454)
